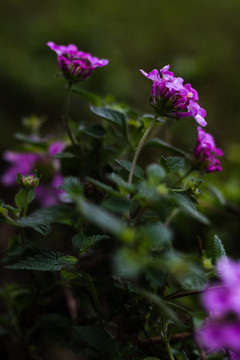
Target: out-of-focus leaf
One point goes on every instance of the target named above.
(92, 98)
(165, 146)
(96, 131)
(100, 217)
(187, 205)
(155, 174)
(97, 338)
(138, 172)
(219, 250)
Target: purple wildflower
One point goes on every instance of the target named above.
(221, 331)
(75, 65)
(173, 99)
(48, 191)
(206, 153)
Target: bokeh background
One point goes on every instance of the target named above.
(200, 39)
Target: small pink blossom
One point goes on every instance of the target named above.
(206, 153)
(75, 65)
(170, 97)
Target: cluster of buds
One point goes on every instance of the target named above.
(27, 182)
(173, 99)
(74, 64)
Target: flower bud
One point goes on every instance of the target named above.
(27, 182)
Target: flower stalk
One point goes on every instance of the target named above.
(139, 148)
(66, 112)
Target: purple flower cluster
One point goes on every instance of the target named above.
(221, 331)
(173, 99)
(48, 192)
(206, 153)
(75, 65)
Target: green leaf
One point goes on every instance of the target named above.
(72, 186)
(155, 174)
(172, 163)
(97, 338)
(41, 219)
(116, 117)
(219, 250)
(160, 303)
(96, 131)
(185, 203)
(92, 98)
(65, 155)
(100, 217)
(122, 184)
(165, 146)
(108, 189)
(84, 243)
(118, 205)
(29, 140)
(138, 172)
(217, 193)
(44, 262)
(22, 195)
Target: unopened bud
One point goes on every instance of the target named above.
(27, 182)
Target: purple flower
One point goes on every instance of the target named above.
(206, 153)
(48, 192)
(221, 331)
(75, 65)
(173, 99)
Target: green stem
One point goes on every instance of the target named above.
(139, 148)
(26, 203)
(66, 114)
(166, 341)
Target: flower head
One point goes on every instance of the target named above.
(221, 331)
(173, 99)
(75, 65)
(48, 191)
(27, 182)
(206, 153)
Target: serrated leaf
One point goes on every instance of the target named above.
(44, 262)
(84, 243)
(92, 98)
(138, 172)
(116, 117)
(97, 338)
(219, 250)
(165, 146)
(173, 163)
(22, 196)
